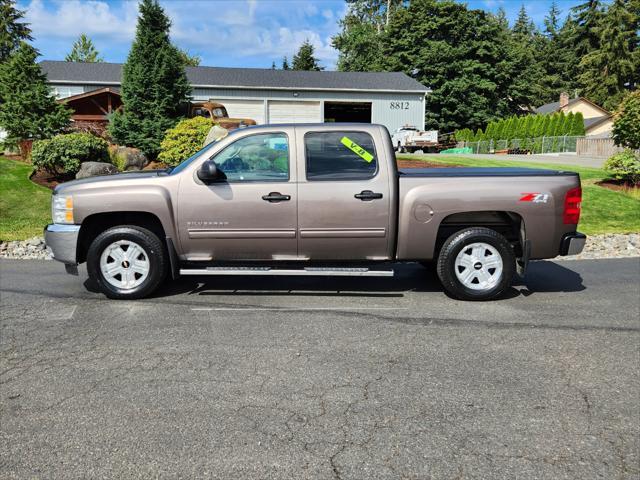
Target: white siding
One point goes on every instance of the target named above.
(253, 109)
(294, 112)
(382, 103)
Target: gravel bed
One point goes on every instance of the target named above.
(598, 246)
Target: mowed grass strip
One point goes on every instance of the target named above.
(24, 206)
(603, 210)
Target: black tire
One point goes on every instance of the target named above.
(153, 249)
(455, 244)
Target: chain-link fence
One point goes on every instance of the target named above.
(524, 145)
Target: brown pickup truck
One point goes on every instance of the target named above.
(218, 113)
(316, 199)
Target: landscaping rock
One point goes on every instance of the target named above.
(134, 159)
(612, 245)
(32, 249)
(92, 169)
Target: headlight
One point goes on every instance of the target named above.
(62, 209)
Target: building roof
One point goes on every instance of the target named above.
(260, 78)
(592, 122)
(555, 106)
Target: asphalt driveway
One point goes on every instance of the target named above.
(315, 378)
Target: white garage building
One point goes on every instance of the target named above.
(392, 99)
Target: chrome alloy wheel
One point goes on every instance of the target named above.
(124, 264)
(479, 266)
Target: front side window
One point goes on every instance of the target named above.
(340, 155)
(263, 157)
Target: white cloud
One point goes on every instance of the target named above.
(257, 31)
(67, 19)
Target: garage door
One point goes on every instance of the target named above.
(244, 109)
(293, 112)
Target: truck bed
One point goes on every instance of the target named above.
(482, 172)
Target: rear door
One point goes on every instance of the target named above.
(343, 195)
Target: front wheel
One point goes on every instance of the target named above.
(127, 262)
(476, 264)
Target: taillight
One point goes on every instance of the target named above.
(572, 201)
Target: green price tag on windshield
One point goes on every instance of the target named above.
(357, 149)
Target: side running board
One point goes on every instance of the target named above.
(308, 271)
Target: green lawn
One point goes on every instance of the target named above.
(24, 206)
(603, 210)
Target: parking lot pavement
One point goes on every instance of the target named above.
(322, 378)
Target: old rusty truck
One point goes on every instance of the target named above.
(218, 113)
(312, 200)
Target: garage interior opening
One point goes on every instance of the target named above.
(340, 112)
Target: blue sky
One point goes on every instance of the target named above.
(230, 33)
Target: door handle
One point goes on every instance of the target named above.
(367, 195)
(274, 197)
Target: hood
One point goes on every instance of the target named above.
(61, 188)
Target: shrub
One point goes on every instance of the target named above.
(64, 153)
(183, 140)
(624, 166)
(117, 159)
(626, 123)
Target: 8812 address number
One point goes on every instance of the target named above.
(399, 105)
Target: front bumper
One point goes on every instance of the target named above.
(572, 243)
(62, 240)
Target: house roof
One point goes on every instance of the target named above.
(260, 78)
(592, 122)
(555, 106)
(92, 93)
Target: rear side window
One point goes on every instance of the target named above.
(340, 155)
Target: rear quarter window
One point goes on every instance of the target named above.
(340, 155)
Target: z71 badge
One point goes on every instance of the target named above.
(534, 197)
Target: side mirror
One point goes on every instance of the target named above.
(209, 172)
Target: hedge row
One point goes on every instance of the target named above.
(527, 126)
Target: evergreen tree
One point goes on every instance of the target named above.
(273, 65)
(551, 21)
(556, 58)
(285, 64)
(609, 70)
(305, 59)
(83, 50)
(544, 125)
(154, 84)
(578, 125)
(28, 111)
(587, 16)
(12, 29)
(523, 26)
(459, 53)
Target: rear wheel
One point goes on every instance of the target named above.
(476, 264)
(127, 262)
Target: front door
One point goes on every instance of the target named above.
(343, 196)
(252, 215)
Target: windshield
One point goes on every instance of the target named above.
(187, 162)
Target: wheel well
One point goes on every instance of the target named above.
(508, 224)
(94, 225)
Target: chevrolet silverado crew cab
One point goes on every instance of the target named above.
(312, 199)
